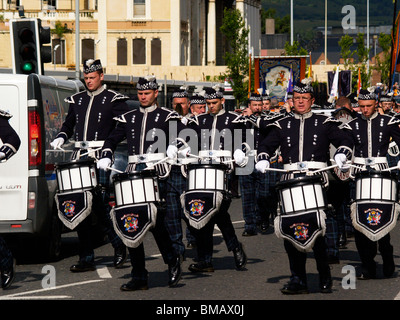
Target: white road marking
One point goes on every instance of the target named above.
(103, 272)
(48, 289)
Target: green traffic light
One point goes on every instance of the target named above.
(27, 67)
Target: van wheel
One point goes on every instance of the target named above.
(50, 245)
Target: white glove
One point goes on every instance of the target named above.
(103, 164)
(262, 165)
(184, 152)
(172, 152)
(240, 157)
(58, 142)
(2, 155)
(341, 160)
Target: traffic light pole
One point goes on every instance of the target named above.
(77, 41)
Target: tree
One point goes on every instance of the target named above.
(383, 67)
(345, 44)
(237, 56)
(295, 49)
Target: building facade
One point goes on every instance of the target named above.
(172, 39)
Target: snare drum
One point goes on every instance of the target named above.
(376, 185)
(206, 177)
(136, 187)
(76, 175)
(301, 194)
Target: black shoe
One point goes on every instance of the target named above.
(240, 257)
(119, 256)
(134, 285)
(7, 276)
(83, 266)
(249, 233)
(295, 287)
(174, 272)
(325, 285)
(202, 266)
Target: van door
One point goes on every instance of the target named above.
(14, 173)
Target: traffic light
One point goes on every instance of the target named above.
(28, 39)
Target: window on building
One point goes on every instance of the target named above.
(139, 8)
(122, 52)
(87, 49)
(58, 51)
(139, 51)
(156, 52)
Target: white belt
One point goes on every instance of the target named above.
(88, 144)
(215, 153)
(301, 166)
(147, 157)
(182, 161)
(369, 161)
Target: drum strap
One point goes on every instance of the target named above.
(374, 219)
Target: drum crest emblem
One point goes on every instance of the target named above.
(373, 216)
(196, 207)
(300, 231)
(69, 208)
(131, 222)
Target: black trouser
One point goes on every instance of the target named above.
(85, 228)
(164, 244)
(367, 249)
(204, 236)
(297, 259)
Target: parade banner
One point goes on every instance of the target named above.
(274, 74)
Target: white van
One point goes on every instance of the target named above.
(27, 180)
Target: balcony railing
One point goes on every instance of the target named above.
(52, 15)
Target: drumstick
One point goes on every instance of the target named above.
(276, 169)
(326, 168)
(392, 168)
(93, 150)
(156, 163)
(58, 147)
(113, 169)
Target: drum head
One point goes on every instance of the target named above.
(134, 175)
(376, 174)
(74, 164)
(299, 181)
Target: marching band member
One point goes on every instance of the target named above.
(89, 121)
(11, 144)
(215, 132)
(176, 184)
(372, 133)
(146, 130)
(256, 187)
(304, 140)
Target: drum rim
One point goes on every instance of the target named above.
(75, 163)
(192, 166)
(140, 174)
(300, 181)
(376, 174)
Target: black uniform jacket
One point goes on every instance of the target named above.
(372, 136)
(90, 115)
(305, 137)
(223, 131)
(147, 130)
